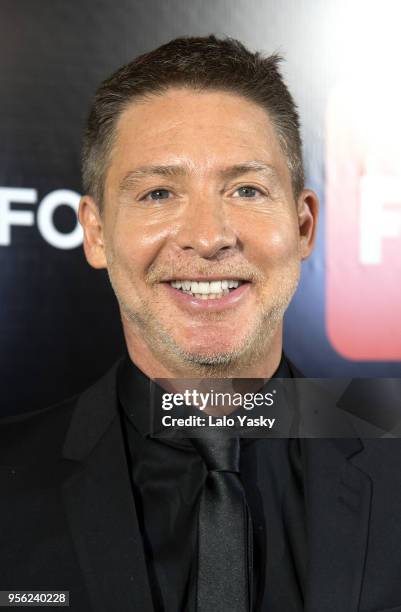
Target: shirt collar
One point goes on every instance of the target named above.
(136, 391)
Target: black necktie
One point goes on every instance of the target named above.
(224, 530)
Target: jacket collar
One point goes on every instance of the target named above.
(95, 411)
(99, 504)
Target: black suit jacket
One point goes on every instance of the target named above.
(68, 520)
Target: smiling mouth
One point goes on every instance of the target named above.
(207, 290)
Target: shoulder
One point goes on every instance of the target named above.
(31, 435)
(39, 435)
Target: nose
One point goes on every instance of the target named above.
(206, 229)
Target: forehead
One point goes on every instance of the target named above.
(201, 130)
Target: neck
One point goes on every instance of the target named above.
(263, 364)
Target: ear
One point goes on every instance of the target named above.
(91, 220)
(308, 211)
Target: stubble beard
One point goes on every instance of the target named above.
(254, 348)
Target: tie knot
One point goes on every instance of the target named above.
(219, 453)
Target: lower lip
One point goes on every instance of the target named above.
(230, 300)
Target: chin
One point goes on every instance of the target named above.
(213, 355)
(209, 363)
(211, 344)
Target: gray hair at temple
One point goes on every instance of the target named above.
(199, 63)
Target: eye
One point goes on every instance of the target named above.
(247, 191)
(157, 194)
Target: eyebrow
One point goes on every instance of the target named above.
(132, 177)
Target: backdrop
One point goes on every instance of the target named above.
(59, 323)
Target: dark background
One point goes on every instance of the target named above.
(59, 322)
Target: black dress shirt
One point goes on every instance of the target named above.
(167, 477)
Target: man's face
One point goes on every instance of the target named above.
(198, 190)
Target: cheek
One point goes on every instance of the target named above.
(275, 245)
(133, 247)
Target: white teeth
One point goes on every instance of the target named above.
(205, 288)
(215, 286)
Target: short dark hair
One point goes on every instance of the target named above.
(198, 63)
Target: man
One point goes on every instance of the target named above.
(195, 204)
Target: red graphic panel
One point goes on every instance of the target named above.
(363, 221)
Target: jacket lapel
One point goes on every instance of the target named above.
(338, 500)
(100, 507)
(338, 494)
